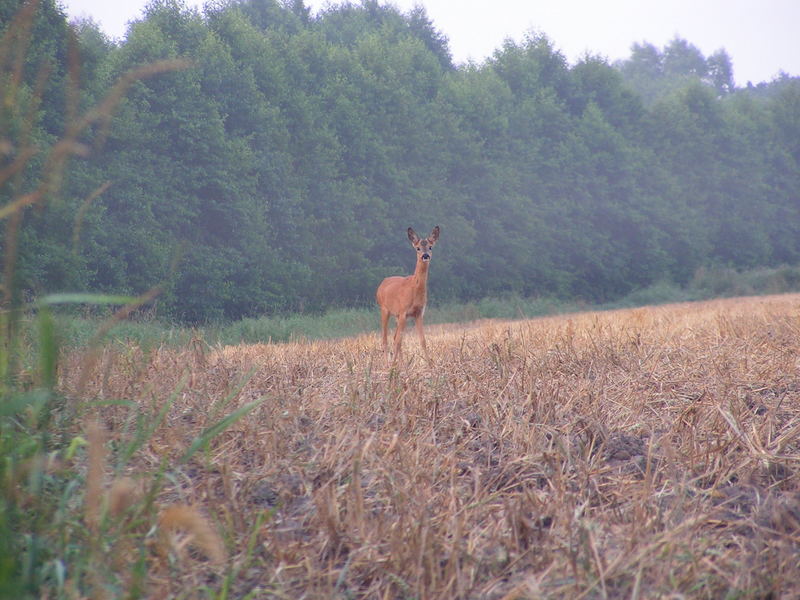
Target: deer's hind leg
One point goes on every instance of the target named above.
(418, 325)
(398, 336)
(385, 329)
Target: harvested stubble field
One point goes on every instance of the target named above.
(640, 453)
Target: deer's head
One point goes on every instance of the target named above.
(423, 246)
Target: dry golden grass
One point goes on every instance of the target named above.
(630, 454)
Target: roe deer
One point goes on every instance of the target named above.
(404, 297)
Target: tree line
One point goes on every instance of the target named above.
(280, 169)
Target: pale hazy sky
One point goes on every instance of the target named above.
(761, 36)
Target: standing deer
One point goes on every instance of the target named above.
(404, 297)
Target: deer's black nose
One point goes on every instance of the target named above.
(426, 256)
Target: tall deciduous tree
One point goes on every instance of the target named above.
(284, 164)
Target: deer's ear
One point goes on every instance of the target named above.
(433, 236)
(413, 237)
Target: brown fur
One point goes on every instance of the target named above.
(404, 297)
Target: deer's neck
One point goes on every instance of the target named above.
(421, 277)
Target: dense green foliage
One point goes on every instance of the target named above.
(280, 170)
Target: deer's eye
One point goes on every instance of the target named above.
(418, 248)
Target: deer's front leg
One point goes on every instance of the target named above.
(421, 335)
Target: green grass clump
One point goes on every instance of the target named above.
(725, 282)
(77, 331)
(332, 324)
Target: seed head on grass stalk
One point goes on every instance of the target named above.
(188, 520)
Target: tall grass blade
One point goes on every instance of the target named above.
(145, 432)
(80, 298)
(206, 436)
(48, 350)
(220, 406)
